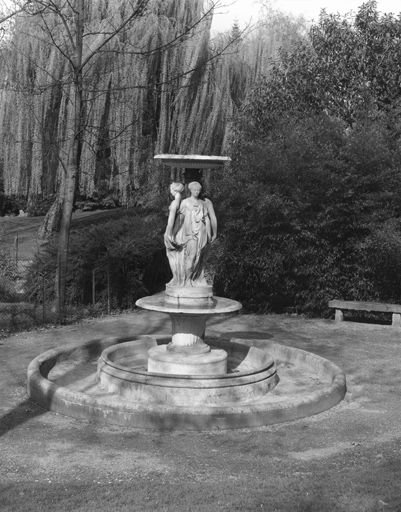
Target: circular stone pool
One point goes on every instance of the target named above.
(106, 381)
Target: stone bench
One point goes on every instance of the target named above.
(340, 305)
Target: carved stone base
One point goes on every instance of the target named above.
(196, 296)
(187, 353)
(162, 360)
(187, 330)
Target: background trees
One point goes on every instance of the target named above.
(316, 171)
(310, 116)
(88, 54)
(128, 83)
(343, 64)
(160, 86)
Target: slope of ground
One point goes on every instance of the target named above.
(26, 228)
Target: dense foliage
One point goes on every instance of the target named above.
(310, 209)
(128, 254)
(343, 64)
(8, 274)
(315, 180)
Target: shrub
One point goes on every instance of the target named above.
(128, 247)
(8, 275)
(310, 213)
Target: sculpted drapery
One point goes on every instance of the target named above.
(191, 227)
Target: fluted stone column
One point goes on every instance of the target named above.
(188, 330)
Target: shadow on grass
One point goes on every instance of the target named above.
(364, 317)
(247, 335)
(19, 415)
(320, 347)
(29, 409)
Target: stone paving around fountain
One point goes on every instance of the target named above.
(331, 456)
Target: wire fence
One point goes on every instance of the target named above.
(19, 308)
(29, 297)
(23, 307)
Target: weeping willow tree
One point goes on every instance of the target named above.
(97, 87)
(139, 93)
(276, 33)
(157, 86)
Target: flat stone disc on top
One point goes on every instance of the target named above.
(218, 306)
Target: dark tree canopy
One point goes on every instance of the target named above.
(344, 63)
(316, 170)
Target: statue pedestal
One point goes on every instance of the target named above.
(163, 360)
(188, 332)
(187, 296)
(187, 353)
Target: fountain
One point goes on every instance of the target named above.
(186, 380)
(188, 299)
(189, 370)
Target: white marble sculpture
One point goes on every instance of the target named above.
(191, 228)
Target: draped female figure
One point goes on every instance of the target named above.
(187, 238)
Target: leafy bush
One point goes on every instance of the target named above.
(311, 212)
(8, 275)
(312, 205)
(129, 249)
(7, 291)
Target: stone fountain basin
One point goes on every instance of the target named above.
(251, 374)
(64, 380)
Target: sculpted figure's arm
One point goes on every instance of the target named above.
(175, 189)
(168, 235)
(208, 229)
(213, 219)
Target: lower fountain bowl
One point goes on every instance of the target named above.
(251, 374)
(64, 380)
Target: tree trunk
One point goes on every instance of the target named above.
(52, 221)
(64, 236)
(69, 192)
(74, 136)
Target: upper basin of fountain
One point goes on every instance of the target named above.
(193, 161)
(217, 306)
